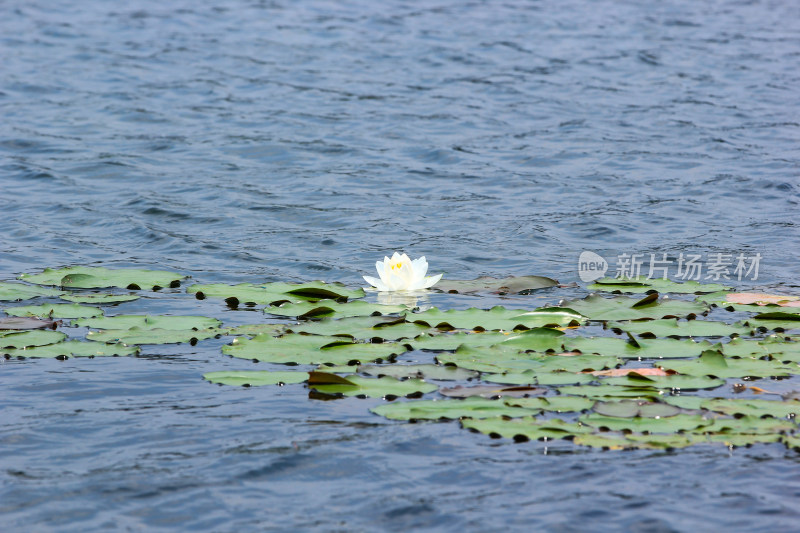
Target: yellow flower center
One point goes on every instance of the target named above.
(397, 266)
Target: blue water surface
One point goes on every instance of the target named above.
(275, 140)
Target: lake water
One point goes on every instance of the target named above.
(263, 141)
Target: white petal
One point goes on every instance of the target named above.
(432, 280)
(378, 284)
(420, 268)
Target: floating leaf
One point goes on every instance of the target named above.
(99, 298)
(619, 442)
(496, 318)
(666, 382)
(558, 404)
(642, 284)
(363, 327)
(330, 308)
(22, 339)
(269, 293)
(753, 407)
(73, 348)
(670, 424)
(603, 391)
(255, 378)
(510, 285)
(773, 346)
(151, 336)
(616, 372)
(451, 341)
(257, 329)
(308, 349)
(439, 372)
(672, 327)
(760, 299)
(713, 363)
(596, 307)
(749, 424)
(82, 277)
(500, 361)
(637, 349)
(538, 377)
(490, 391)
(327, 383)
(55, 311)
(526, 428)
(17, 323)
(143, 322)
(632, 408)
(12, 292)
(475, 407)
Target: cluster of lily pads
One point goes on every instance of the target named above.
(609, 370)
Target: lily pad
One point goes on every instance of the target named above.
(620, 442)
(55, 311)
(510, 285)
(632, 408)
(670, 424)
(252, 330)
(438, 372)
(143, 322)
(672, 327)
(666, 382)
(151, 336)
(13, 292)
(22, 339)
(637, 348)
(332, 308)
(753, 407)
(308, 349)
(363, 327)
(496, 318)
(773, 346)
(371, 387)
(605, 391)
(475, 407)
(255, 378)
(451, 341)
(270, 293)
(534, 377)
(73, 348)
(99, 298)
(761, 299)
(596, 307)
(642, 284)
(526, 428)
(749, 425)
(82, 277)
(713, 363)
(491, 391)
(25, 322)
(558, 404)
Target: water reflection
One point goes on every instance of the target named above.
(420, 298)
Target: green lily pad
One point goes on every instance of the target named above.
(252, 330)
(152, 336)
(637, 348)
(491, 391)
(535, 339)
(363, 327)
(255, 378)
(143, 322)
(666, 382)
(741, 439)
(632, 408)
(496, 318)
(774, 324)
(438, 372)
(685, 401)
(791, 441)
(451, 341)
(73, 348)
(13, 292)
(26, 322)
(642, 284)
(327, 383)
(526, 428)
(474, 407)
(510, 285)
(596, 307)
(81, 277)
(55, 311)
(332, 308)
(22, 339)
(713, 363)
(770, 346)
(534, 377)
(309, 349)
(605, 391)
(671, 327)
(620, 442)
(670, 424)
(558, 404)
(753, 407)
(99, 298)
(270, 293)
(748, 425)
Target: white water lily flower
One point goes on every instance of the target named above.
(400, 273)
